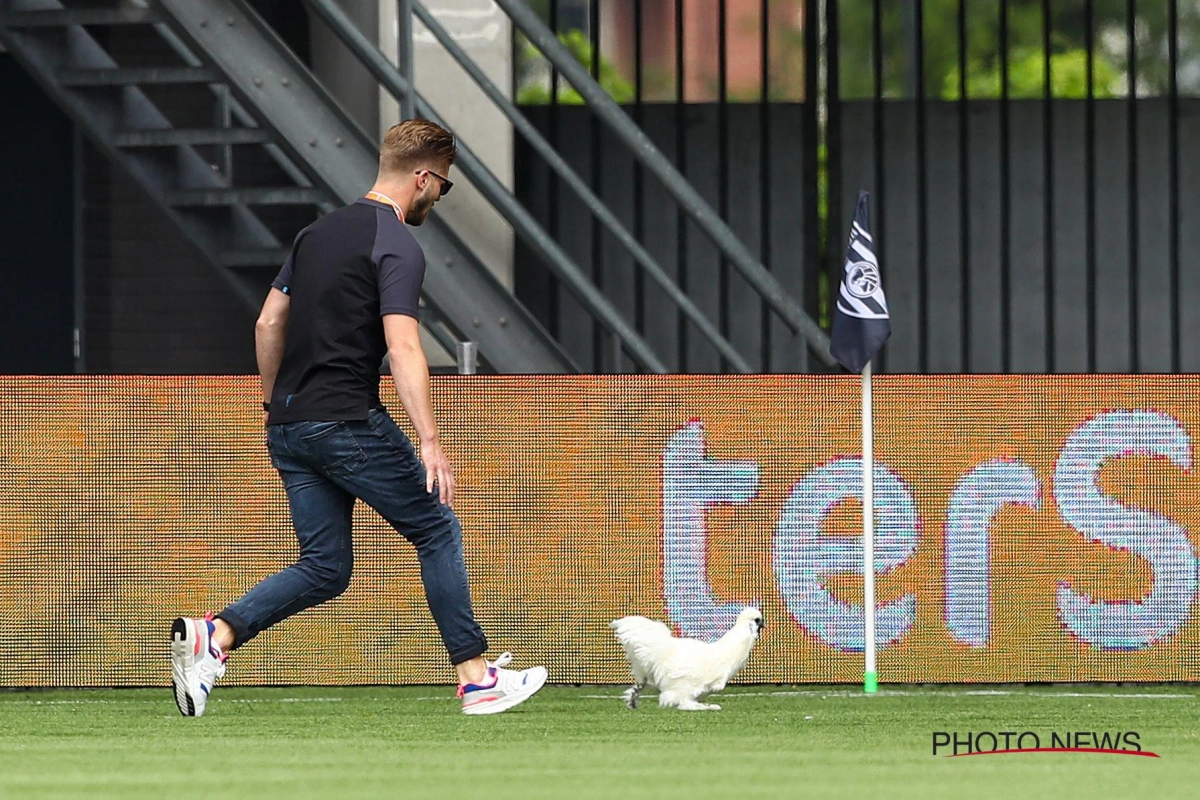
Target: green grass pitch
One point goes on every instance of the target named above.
(811, 742)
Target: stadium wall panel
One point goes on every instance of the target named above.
(1029, 528)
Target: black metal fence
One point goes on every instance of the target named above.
(1033, 166)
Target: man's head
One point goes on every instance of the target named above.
(414, 164)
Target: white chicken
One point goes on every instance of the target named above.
(684, 670)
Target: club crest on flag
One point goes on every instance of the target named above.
(861, 322)
(862, 279)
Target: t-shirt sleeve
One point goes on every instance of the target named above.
(401, 272)
(283, 281)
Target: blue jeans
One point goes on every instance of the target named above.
(325, 466)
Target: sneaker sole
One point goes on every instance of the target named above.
(183, 645)
(506, 702)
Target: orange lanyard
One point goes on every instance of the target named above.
(383, 198)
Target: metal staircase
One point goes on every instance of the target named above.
(220, 123)
(232, 136)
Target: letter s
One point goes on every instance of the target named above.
(1163, 543)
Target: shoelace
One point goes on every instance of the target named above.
(508, 680)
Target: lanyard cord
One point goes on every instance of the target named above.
(383, 198)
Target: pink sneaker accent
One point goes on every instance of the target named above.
(506, 688)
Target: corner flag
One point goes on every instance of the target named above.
(860, 317)
(860, 327)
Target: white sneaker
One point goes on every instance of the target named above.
(502, 688)
(196, 663)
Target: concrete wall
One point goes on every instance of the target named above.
(484, 31)
(152, 304)
(346, 79)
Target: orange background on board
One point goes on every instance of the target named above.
(129, 500)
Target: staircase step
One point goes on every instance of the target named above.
(258, 196)
(168, 137)
(128, 76)
(79, 16)
(254, 257)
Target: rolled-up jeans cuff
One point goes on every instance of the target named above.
(465, 654)
(241, 631)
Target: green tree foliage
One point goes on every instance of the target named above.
(939, 23)
(1027, 77)
(534, 89)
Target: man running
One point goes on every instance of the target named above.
(346, 296)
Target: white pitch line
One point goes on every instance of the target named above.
(159, 701)
(1121, 696)
(280, 700)
(74, 702)
(977, 693)
(824, 695)
(904, 693)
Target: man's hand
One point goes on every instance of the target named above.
(410, 371)
(266, 416)
(437, 471)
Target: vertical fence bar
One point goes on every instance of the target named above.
(813, 263)
(835, 252)
(78, 251)
(877, 135)
(1173, 176)
(1005, 200)
(1048, 179)
(1132, 175)
(723, 311)
(554, 222)
(964, 193)
(764, 128)
(922, 204)
(553, 23)
(1089, 166)
(599, 355)
(681, 164)
(639, 176)
(404, 53)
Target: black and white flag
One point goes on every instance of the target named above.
(860, 317)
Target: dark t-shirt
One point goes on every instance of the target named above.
(345, 272)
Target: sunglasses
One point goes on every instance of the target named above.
(447, 184)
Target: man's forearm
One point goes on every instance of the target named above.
(268, 348)
(410, 371)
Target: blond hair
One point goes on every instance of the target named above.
(416, 144)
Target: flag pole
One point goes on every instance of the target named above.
(861, 326)
(870, 678)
